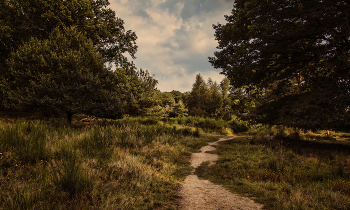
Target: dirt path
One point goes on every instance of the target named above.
(203, 194)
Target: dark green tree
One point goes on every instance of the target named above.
(226, 112)
(214, 101)
(62, 73)
(24, 19)
(297, 51)
(196, 101)
(21, 20)
(137, 91)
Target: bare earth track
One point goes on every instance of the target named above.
(203, 194)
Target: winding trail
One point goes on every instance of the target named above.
(203, 194)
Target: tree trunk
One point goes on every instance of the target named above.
(69, 118)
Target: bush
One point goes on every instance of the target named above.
(238, 125)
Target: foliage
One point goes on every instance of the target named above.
(296, 50)
(226, 110)
(179, 110)
(136, 91)
(238, 125)
(215, 99)
(62, 73)
(177, 95)
(197, 99)
(209, 99)
(23, 19)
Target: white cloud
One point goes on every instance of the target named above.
(175, 37)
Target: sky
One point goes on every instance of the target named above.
(175, 38)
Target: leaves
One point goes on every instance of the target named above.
(26, 19)
(62, 73)
(288, 48)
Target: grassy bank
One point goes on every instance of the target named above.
(285, 170)
(119, 164)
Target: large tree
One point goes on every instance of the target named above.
(22, 19)
(298, 51)
(63, 73)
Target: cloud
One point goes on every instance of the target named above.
(175, 37)
(198, 8)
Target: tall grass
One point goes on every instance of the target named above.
(210, 125)
(28, 139)
(285, 170)
(112, 164)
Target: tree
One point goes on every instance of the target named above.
(167, 99)
(177, 95)
(179, 110)
(197, 98)
(214, 100)
(62, 73)
(293, 50)
(136, 91)
(167, 102)
(226, 112)
(23, 19)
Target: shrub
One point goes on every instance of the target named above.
(238, 125)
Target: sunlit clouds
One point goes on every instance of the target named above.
(175, 37)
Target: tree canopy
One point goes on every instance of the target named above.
(298, 51)
(23, 19)
(62, 73)
(44, 67)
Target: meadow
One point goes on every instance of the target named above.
(138, 163)
(285, 169)
(133, 163)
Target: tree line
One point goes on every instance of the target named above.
(285, 62)
(57, 57)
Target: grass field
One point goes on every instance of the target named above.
(113, 164)
(285, 170)
(137, 163)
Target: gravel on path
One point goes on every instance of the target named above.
(203, 194)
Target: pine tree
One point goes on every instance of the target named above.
(215, 100)
(197, 98)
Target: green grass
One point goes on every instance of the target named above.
(210, 125)
(287, 171)
(113, 164)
